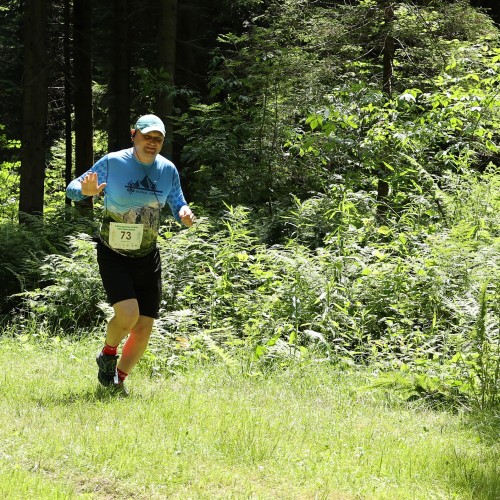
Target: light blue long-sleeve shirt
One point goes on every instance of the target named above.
(135, 194)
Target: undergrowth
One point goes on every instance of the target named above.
(413, 293)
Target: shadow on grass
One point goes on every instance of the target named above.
(486, 425)
(481, 482)
(94, 394)
(479, 475)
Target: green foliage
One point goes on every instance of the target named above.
(294, 261)
(72, 292)
(9, 179)
(401, 295)
(413, 139)
(24, 248)
(262, 83)
(452, 345)
(9, 191)
(481, 360)
(297, 104)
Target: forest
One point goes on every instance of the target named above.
(342, 157)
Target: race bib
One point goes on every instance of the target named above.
(125, 236)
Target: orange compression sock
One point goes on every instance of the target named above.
(121, 375)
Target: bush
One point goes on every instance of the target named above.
(72, 294)
(24, 246)
(398, 294)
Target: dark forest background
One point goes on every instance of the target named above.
(72, 70)
(341, 155)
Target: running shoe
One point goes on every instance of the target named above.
(107, 368)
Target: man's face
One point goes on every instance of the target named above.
(148, 145)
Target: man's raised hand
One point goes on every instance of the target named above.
(90, 186)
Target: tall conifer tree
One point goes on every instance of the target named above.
(35, 108)
(82, 81)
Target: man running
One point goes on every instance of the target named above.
(136, 184)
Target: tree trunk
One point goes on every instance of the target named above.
(84, 152)
(119, 78)
(383, 187)
(68, 170)
(166, 60)
(35, 108)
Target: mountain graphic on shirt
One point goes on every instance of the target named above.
(146, 184)
(149, 216)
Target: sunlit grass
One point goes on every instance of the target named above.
(213, 432)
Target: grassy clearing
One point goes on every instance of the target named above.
(212, 432)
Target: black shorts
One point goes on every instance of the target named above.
(131, 278)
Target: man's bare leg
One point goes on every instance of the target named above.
(125, 318)
(136, 344)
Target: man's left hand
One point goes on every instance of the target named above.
(187, 216)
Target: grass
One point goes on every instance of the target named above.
(302, 432)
